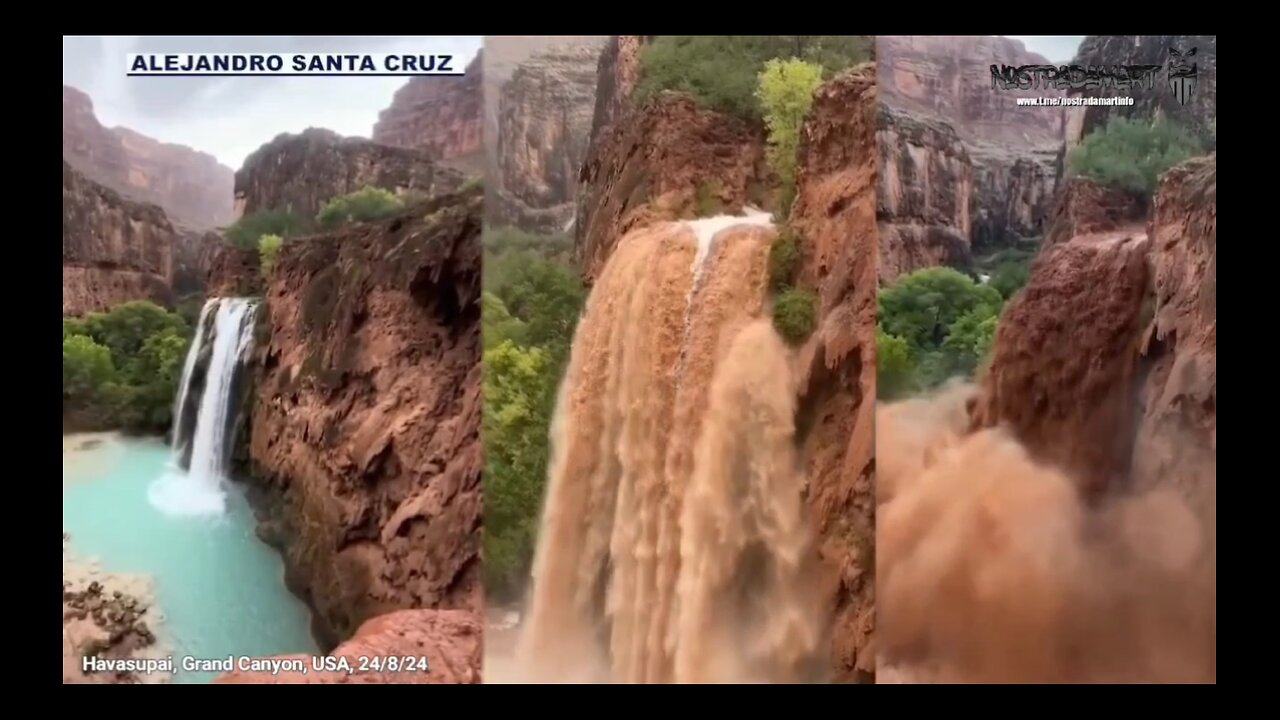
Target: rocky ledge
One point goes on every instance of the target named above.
(365, 426)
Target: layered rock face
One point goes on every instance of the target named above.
(1085, 207)
(544, 123)
(300, 173)
(365, 426)
(835, 214)
(113, 250)
(925, 186)
(191, 186)
(950, 77)
(441, 115)
(617, 73)
(450, 641)
(1012, 152)
(233, 272)
(661, 163)
(1201, 108)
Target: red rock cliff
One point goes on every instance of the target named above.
(835, 215)
(113, 250)
(191, 186)
(441, 115)
(365, 423)
(300, 173)
(544, 120)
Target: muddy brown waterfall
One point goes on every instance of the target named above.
(674, 544)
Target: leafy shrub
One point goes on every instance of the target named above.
(246, 231)
(1131, 154)
(707, 199)
(795, 314)
(942, 321)
(363, 205)
(784, 259)
(121, 368)
(785, 93)
(268, 251)
(1009, 277)
(720, 71)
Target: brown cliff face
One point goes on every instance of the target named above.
(950, 77)
(617, 73)
(661, 163)
(191, 186)
(449, 640)
(1013, 152)
(923, 202)
(300, 173)
(1084, 207)
(232, 271)
(365, 425)
(1177, 441)
(835, 214)
(113, 250)
(1194, 115)
(440, 115)
(544, 120)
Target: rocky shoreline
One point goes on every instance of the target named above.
(112, 617)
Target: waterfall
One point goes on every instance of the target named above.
(197, 490)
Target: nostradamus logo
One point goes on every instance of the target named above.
(1180, 72)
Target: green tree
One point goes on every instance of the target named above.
(499, 325)
(86, 367)
(518, 383)
(246, 231)
(795, 314)
(946, 320)
(1131, 154)
(720, 71)
(895, 371)
(785, 93)
(127, 327)
(784, 259)
(1009, 277)
(268, 251)
(363, 205)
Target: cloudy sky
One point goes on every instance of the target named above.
(1057, 48)
(230, 117)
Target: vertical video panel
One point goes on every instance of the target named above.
(679, 309)
(271, 345)
(1047, 354)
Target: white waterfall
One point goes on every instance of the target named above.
(198, 490)
(187, 367)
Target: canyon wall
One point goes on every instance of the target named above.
(1012, 153)
(441, 115)
(113, 249)
(191, 186)
(365, 425)
(617, 73)
(835, 216)
(669, 159)
(925, 186)
(300, 173)
(544, 122)
(1195, 115)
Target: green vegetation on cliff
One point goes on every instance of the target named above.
(795, 314)
(532, 300)
(721, 71)
(785, 93)
(121, 368)
(246, 232)
(268, 251)
(1131, 154)
(367, 203)
(934, 324)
